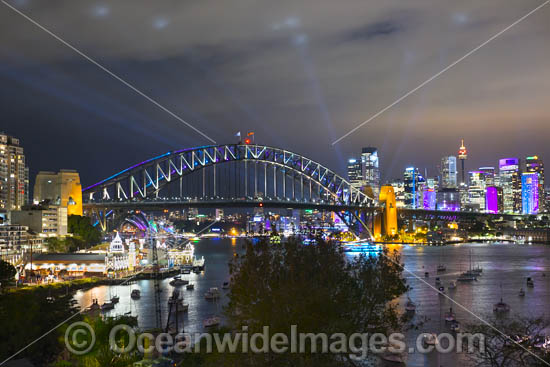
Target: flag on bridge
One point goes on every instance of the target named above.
(238, 134)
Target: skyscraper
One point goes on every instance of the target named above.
(412, 182)
(534, 164)
(476, 191)
(448, 172)
(488, 175)
(510, 181)
(370, 169)
(14, 175)
(530, 193)
(354, 173)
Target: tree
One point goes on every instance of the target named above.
(101, 355)
(26, 315)
(511, 342)
(7, 272)
(315, 287)
(82, 228)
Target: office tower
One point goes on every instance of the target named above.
(489, 176)
(534, 164)
(413, 184)
(493, 199)
(530, 193)
(462, 155)
(354, 173)
(62, 189)
(399, 191)
(448, 172)
(14, 175)
(476, 191)
(370, 169)
(510, 181)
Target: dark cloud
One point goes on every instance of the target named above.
(370, 31)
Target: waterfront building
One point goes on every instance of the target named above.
(493, 200)
(370, 169)
(62, 188)
(448, 200)
(510, 181)
(462, 155)
(448, 172)
(47, 221)
(14, 174)
(476, 191)
(530, 193)
(354, 173)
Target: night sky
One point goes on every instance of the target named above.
(298, 73)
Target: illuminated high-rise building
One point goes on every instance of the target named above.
(399, 191)
(448, 172)
(476, 191)
(354, 173)
(534, 164)
(14, 174)
(529, 193)
(462, 155)
(510, 181)
(370, 169)
(413, 184)
(493, 199)
(488, 175)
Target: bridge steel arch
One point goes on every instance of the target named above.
(146, 179)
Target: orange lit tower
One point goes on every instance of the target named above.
(462, 155)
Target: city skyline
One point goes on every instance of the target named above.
(50, 94)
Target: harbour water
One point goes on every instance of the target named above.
(503, 264)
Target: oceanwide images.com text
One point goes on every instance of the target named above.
(80, 339)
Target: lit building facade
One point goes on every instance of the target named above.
(510, 181)
(62, 188)
(530, 193)
(493, 200)
(354, 173)
(14, 174)
(370, 169)
(489, 176)
(534, 164)
(448, 172)
(476, 191)
(47, 221)
(399, 191)
(413, 183)
(448, 200)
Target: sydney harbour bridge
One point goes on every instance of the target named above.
(239, 176)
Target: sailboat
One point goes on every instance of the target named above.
(470, 275)
(501, 306)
